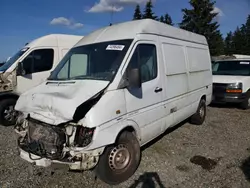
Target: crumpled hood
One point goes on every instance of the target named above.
(228, 79)
(56, 102)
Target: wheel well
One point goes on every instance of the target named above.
(8, 96)
(127, 129)
(204, 97)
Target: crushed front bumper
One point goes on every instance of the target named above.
(88, 160)
(42, 145)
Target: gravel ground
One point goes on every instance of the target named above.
(216, 154)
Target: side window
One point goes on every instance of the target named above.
(39, 61)
(146, 58)
(76, 66)
(28, 64)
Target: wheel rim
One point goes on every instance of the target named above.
(9, 113)
(248, 102)
(119, 157)
(202, 111)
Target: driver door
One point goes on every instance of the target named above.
(144, 105)
(36, 68)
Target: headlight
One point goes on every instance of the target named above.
(234, 88)
(83, 136)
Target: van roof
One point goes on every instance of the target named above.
(130, 29)
(55, 40)
(234, 57)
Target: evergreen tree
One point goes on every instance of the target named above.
(201, 20)
(148, 12)
(244, 40)
(228, 44)
(162, 19)
(247, 36)
(237, 41)
(168, 19)
(137, 13)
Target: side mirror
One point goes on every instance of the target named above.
(134, 78)
(20, 69)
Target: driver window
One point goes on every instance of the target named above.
(28, 64)
(145, 56)
(38, 61)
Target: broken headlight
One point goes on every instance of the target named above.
(83, 136)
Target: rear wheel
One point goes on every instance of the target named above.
(8, 115)
(120, 161)
(199, 117)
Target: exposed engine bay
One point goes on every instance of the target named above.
(65, 143)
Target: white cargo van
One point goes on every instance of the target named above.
(231, 81)
(116, 90)
(29, 67)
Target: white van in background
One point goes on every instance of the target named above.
(231, 81)
(116, 90)
(29, 67)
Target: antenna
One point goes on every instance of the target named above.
(111, 15)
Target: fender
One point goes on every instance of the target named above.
(135, 126)
(109, 135)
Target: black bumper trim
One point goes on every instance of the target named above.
(228, 97)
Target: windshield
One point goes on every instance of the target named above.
(234, 68)
(99, 61)
(13, 59)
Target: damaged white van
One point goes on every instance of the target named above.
(29, 67)
(117, 89)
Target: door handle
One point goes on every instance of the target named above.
(158, 89)
(172, 110)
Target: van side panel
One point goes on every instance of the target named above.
(187, 73)
(200, 72)
(175, 70)
(199, 67)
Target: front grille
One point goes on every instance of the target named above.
(219, 88)
(45, 140)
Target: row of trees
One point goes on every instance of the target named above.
(148, 13)
(201, 19)
(238, 42)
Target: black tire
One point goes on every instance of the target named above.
(245, 105)
(105, 169)
(199, 117)
(5, 104)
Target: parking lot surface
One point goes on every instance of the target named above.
(216, 154)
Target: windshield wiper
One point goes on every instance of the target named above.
(86, 78)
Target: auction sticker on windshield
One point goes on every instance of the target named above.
(115, 47)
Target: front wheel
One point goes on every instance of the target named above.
(120, 161)
(8, 115)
